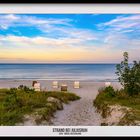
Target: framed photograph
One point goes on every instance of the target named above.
(69, 69)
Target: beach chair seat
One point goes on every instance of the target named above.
(76, 84)
(107, 84)
(64, 87)
(37, 87)
(55, 84)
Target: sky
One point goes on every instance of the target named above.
(69, 38)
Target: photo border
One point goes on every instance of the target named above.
(96, 134)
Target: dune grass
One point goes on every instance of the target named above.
(15, 103)
(108, 96)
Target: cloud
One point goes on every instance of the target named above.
(122, 23)
(121, 33)
(82, 34)
(41, 49)
(17, 42)
(11, 20)
(52, 27)
(38, 40)
(7, 20)
(10, 17)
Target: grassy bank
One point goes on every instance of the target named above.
(15, 103)
(108, 97)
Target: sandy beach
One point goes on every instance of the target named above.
(81, 112)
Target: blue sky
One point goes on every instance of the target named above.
(74, 38)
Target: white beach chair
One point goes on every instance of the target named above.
(55, 84)
(76, 84)
(107, 84)
(37, 86)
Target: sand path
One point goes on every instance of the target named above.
(81, 112)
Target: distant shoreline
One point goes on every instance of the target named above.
(60, 63)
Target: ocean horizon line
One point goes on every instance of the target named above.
(59, 63)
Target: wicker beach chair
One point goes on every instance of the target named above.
(37, 87)
(107, 84)
(76, 84)
(64, 87)
(55, 84)
(34, 83)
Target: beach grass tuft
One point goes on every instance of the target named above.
(108, 96)
(17, 102)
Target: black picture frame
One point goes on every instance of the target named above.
(69, 1)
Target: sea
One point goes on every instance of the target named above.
(89, 72)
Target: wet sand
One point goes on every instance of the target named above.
(76, 113)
